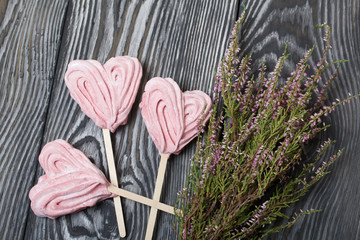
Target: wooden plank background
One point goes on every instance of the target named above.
(184, 40)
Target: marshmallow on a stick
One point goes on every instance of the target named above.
(172, 119)
(106, 94)
(71, 182)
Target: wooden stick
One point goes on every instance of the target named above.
(146, 201)
(113, 180)
(156, 197)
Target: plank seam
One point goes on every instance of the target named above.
(46, 112)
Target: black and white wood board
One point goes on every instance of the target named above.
(184, 40)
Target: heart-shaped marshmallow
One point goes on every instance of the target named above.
(105, 93)
(70, 184)
(171, 116)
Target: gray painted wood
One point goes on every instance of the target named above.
(30, 33)
(180, 39)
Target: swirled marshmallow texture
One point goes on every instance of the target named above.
(171, 116)
(106, 92)
(70, 184)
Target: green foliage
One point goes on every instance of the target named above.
(249, 166)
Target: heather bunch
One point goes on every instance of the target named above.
(250, 165)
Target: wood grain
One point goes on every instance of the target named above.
(29, 44)
(268, 26)
(180, 39)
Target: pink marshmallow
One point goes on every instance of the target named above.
(70, 184)
(171, 116)
(106, 92)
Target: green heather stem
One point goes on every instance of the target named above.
(249, 167)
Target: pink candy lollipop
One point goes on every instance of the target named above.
(106, 94)
(172, 119)
(70, 184)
